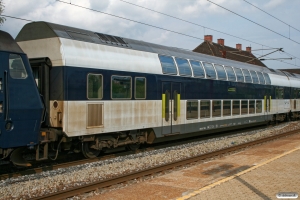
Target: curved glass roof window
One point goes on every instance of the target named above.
(221, 72)
(230, 73)
(254, 77)
(247, 75)
(167, 64)
(210, 71)
(183, 67)
(267, 78)
(261, 78)
(197, 69)
(239, 74)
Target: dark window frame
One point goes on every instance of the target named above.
(214, 110)
(136, 87)
(111, 88)
(12, 70)
(201, 109)
(230, 109)
(191, 117)
(88, 85)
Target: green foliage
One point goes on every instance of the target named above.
(2, 19)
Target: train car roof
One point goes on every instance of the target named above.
(7, 43)
(43, 30)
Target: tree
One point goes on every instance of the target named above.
(2, 19)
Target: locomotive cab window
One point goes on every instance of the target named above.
(230, 73)
(204, 109)
(221, 72)
(247, 75)
(140, 88)
(197, 69)
(121, 87)
(16, 67)
(239, 75)
(210, 71)
(95, 86)
(183, 67)
(167, 64)
(192, 109)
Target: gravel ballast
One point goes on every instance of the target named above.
(35, 185)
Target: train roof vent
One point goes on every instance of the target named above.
(112, 39)
(80, 36)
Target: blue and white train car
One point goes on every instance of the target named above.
(106, 91)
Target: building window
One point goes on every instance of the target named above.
(197, 69)
(168, 65)
(235, 107)
(239, 74)
(230, 73)
(244, 107)
(210, 71)
(192, 110)
(183, 67)
(226, 108)
(121, 87)
(251, 106)
(204, 109)
(140, 88)
(95, 86)
(16, 67)
(221, 72)
(258, 106)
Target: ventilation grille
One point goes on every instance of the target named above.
(94, 115)
(112, 39)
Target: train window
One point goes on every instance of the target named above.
(258, 106)
(204, 109)
(221, 72)
(121, 87)
(254, 77)
(210, 71)
(230, 73)
(168, 65)
(226, 108)
(183, 67)
(251, 106)
(247, 75)
(244, 107)
(235, 107)
(239, 75)
(261, 78)
(216, 108)
(267, 78)
(192, 110)
(140, 88)
(296, 93)
(80, 36)
(279, 92)
(95, 86)
(16, 67)
(197, 69)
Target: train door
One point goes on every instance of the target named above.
(21, 106)
(171, 107)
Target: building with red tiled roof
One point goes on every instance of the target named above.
(220, 50)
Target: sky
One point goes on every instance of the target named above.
(232, 28)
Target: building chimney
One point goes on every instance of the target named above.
(239, 46)
(248, 49)
(208, 38)
(221, 42)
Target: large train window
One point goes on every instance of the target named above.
(226, 108)
(221, 72)
(216, 108)
(258, 106)
(239, 75)
(183, 67)
(254, 76)
(95, 86)
(192, 109)
(244, 107)
(204, 109)
(168, 65)
(251, 106)
(267, 78)
(235, 107)
(261, 78)
(210, 71)
(247, 75)
(279, 93)
(121, 87)
(230, 73)
(140, 88)
(197, 69)
(16, 67)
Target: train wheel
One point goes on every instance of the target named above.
(89, 152)
(133, 147)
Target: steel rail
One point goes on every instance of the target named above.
(154, 170)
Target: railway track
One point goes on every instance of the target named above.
(74, 191)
